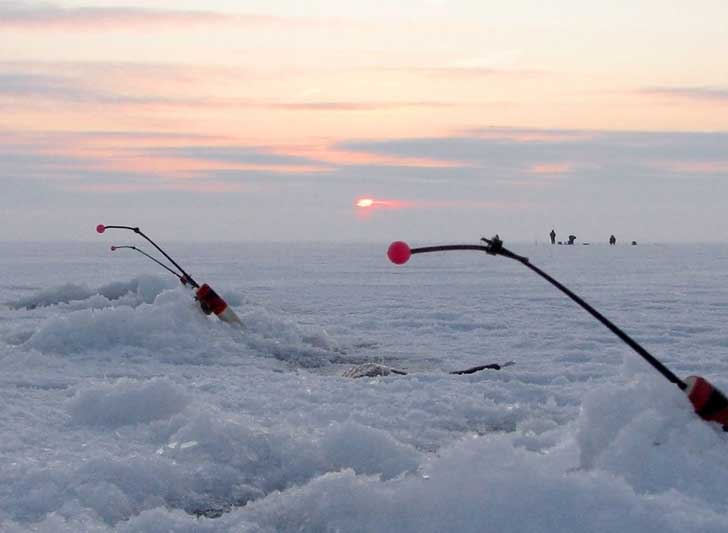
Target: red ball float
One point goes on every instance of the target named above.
(399, 252)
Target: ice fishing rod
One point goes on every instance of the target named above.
(709, 402)
(101, 228)
(209, 300)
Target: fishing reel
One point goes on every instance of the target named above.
(494, 246)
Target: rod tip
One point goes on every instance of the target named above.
(399, 252)
(100, 228)
(113, 248)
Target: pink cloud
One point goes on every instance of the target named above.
(181, 168)
(469, 72)
(51, 16)
(705, 94)
(335, 156)
(209, 187)
(550, 168)
(47, 16)
(532, 135)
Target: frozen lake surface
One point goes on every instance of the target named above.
(124, 408)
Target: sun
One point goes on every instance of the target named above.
(365, 202)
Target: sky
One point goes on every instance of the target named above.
(269, 120)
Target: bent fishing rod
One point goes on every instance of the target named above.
(101, 228)
(709, 402)
(209, 300)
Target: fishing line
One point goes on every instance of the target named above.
(178, 276)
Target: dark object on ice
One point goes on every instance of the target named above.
(634, 243)
(553, 236)
(709, 403)
(612, 240)
(209, 300)
(473, 370)
(372, 370)
(572, 238)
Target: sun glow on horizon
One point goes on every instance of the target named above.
(365, 202)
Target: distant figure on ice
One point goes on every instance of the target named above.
(612, 240)
(572, 238)
(553, 237)
(634, 243)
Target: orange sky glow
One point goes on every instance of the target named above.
(113, 96)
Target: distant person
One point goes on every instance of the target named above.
(572, 238)
(612, 240)
(553, 237)
(634, 243)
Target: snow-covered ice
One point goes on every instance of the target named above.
(124, 408)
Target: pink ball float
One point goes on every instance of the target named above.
(399, 252)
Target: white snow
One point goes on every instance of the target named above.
(127, 402)
(124, 408)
